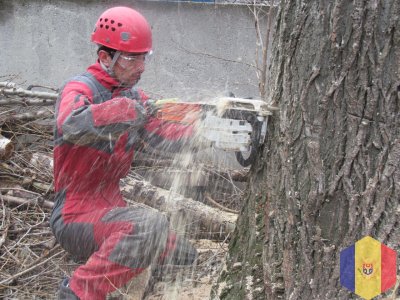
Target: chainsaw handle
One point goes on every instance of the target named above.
(255, 142)
(245, 162)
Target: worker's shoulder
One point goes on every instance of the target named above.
(84, 83)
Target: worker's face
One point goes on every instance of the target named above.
(129, 67)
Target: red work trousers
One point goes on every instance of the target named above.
(118, 244)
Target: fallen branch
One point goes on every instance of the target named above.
(216, 204)
(31, 86)
(235, 175)
(8, 84)
(22, 201)
(29, 116)
(27, 102)
(14, 91)
(5, 224)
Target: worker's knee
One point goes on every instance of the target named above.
(155, 227)
(162, 224)
(144, 244)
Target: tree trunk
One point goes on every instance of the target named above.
(329, 172)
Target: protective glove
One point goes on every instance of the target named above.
(151, 107)
(154, 106)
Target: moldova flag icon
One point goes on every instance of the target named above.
(368, 268)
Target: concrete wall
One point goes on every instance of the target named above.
(199, 49)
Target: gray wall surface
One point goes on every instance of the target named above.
(200, 50)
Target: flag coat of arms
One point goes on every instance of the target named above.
(368, 268)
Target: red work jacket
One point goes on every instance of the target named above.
(97, 127)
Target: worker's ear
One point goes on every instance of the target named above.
(105, 58)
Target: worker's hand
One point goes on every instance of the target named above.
(151, 107)
(154, 106)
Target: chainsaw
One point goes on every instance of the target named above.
(231, 124)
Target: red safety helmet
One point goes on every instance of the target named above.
(123, 29)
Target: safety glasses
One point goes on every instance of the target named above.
(137, 57)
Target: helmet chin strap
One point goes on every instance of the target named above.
(110, 68)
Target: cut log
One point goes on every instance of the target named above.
(167, 178)
(156, 160)
(191, 177)
(186, 215)
(6, 148)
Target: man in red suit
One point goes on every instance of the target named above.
(100, 116)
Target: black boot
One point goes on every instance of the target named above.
(65, 292)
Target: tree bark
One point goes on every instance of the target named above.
(329, 172)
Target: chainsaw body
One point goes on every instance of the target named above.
(231, 124)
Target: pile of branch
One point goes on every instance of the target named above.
(200, 200)
(30, 259)
(18, 99)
